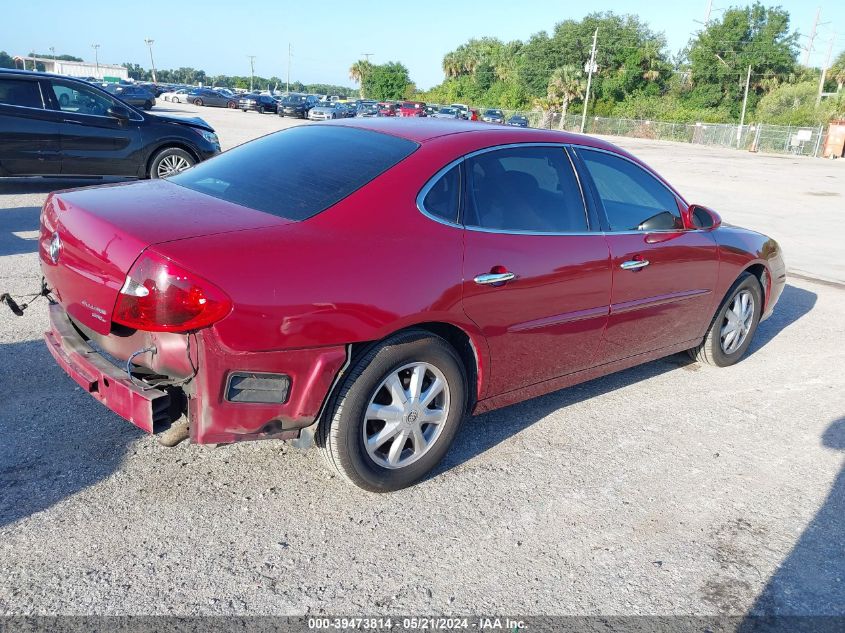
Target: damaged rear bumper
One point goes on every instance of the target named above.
(146, 408)
(213, 416)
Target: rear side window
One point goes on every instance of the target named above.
(633, 199)
(20, 92)
(524, 189)
(297, 173)
(443, 199)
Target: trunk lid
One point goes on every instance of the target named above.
(91, 237)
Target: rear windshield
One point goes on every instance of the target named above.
(289, 174)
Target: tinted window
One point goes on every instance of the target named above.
(442, 200)
(524, 189)
(287, 173)
(633, 199)
(73, 97)
(20, 92)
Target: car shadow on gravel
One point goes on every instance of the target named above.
(17, 230)
(485, 431)
(811, 579)
(34, 185)
(54, 444)
(794, 303)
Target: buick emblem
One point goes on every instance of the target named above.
(55, 248)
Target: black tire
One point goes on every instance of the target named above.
(148, 105)
(710, 351)
(162, 154)
(340, 434)
(261, 109)
(197, 102)
(175, 100)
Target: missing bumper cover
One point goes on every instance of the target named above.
(256, 387)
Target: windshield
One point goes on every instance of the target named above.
(293, 100)
(447, 110)
(494, 112)
(287, 175)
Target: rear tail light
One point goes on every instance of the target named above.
(159, 296)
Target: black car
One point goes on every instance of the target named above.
(138, 96)
(297, 105)
(259, 103)
(517, 120)
(52, 125)
(208, 97)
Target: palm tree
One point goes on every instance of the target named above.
(546, 107)
(650, 63)
(837, 71)
(565, 85)
(452, 65)
(358, 71)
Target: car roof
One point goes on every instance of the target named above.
(424, 130)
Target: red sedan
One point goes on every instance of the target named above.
(368, 303)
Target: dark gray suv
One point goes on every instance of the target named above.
(57, 126)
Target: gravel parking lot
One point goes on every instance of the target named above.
(670, 488)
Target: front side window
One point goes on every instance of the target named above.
(443, 199)
(20, 92)
(633, 199)
(77, 98)
(287, 173)
(524, 189)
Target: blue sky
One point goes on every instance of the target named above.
(327, 35)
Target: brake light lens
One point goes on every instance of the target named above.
(159, 296)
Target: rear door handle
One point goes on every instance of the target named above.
(488, 279)
(634, 264)
(72, 121)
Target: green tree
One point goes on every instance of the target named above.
(357, 72)
(6, 60)
(837, 71)
(387, 81)
(565, 85)
(719, 57)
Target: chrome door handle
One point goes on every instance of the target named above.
(493, 278)
(634, 264)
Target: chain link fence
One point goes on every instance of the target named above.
(777, 139)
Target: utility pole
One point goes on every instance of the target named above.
(289, 55)
(589, 80)
(97, 58)
(53, 52)
(812, 38)
(251, 71)
(707, 13)
(744, 103)
(149, 44)
(367, 56)
(824, 70)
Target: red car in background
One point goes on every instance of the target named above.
(412, 109)
(369, 305)
(387, 109)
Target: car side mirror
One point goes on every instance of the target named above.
(701, 217)
(119, 112)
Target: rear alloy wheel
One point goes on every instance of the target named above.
(170, 161)
(175, 99)
(261, 109)
(232, 105)
(197, 102)
(396, 413)
(734, 325)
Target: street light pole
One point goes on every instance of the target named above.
(589, 80)
(97, 58)
(149, 44)
(289, 53)
(251, 71)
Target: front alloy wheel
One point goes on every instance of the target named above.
(734, 325)
(170, 161)
(395, 413)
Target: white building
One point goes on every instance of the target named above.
(75, 69)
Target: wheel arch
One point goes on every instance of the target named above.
(467, 346)
(761, 273)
